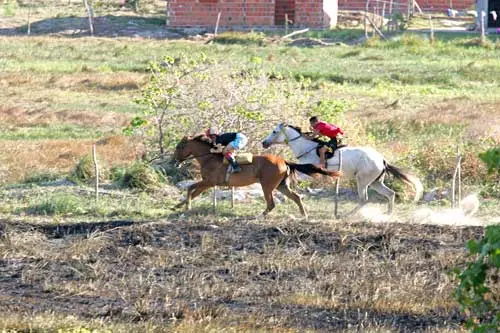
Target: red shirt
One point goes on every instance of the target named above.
(328, 130)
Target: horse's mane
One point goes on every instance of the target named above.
(298, 129)
(198, 138)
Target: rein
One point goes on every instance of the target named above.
(195, 156)
(307, 152)
(287, 139)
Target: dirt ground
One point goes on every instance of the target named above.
(272, 274)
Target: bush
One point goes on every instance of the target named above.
(479, 290)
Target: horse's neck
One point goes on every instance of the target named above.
(302, 146)
(201, 152)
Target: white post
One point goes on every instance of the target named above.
(456, 174)
(367, 6)
(431, 27)
(214, 200)
(96, 171)
(483, 30)
(232, 196)
(286, 24)
(337, 182)
(217, 24)
(29, 16)
(90, 12)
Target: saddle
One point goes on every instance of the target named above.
(242, 159)
(329, 153)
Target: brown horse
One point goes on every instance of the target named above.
(272, 172)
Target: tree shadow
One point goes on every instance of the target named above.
(104, 26)
(62, 230)
(326, 319)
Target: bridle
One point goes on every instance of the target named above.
(287, 139)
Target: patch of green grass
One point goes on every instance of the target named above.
(58, 204)
(62, 131)
(252, 38)
(41, 177)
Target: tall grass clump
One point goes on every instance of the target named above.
(84, 170)
(138, 176)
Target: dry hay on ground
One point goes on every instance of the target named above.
(21, 157)
(273, 275)
(17, 116)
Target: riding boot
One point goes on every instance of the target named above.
(234, 165)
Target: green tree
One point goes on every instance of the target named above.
(186, 94)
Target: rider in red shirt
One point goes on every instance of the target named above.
(321, 128)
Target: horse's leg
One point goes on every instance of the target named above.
(268, 196)
(193, 191)
(362, 184)
(284, 188)
(381, 188)
(196, 191)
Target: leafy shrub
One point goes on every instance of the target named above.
(478, 292)
(492, 159)
(60, 204)
(330, 110)
(138, 176)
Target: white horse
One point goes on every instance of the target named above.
(364, 164)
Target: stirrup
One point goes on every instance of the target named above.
(235, 169)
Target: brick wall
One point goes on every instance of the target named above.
(193, 13)
(203, 13)
(426, 5)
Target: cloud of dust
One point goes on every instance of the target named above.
(461, 216)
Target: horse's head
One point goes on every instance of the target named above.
(282, 133)
(183, 149)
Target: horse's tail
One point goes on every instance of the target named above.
(406, 178)
(311, 169)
